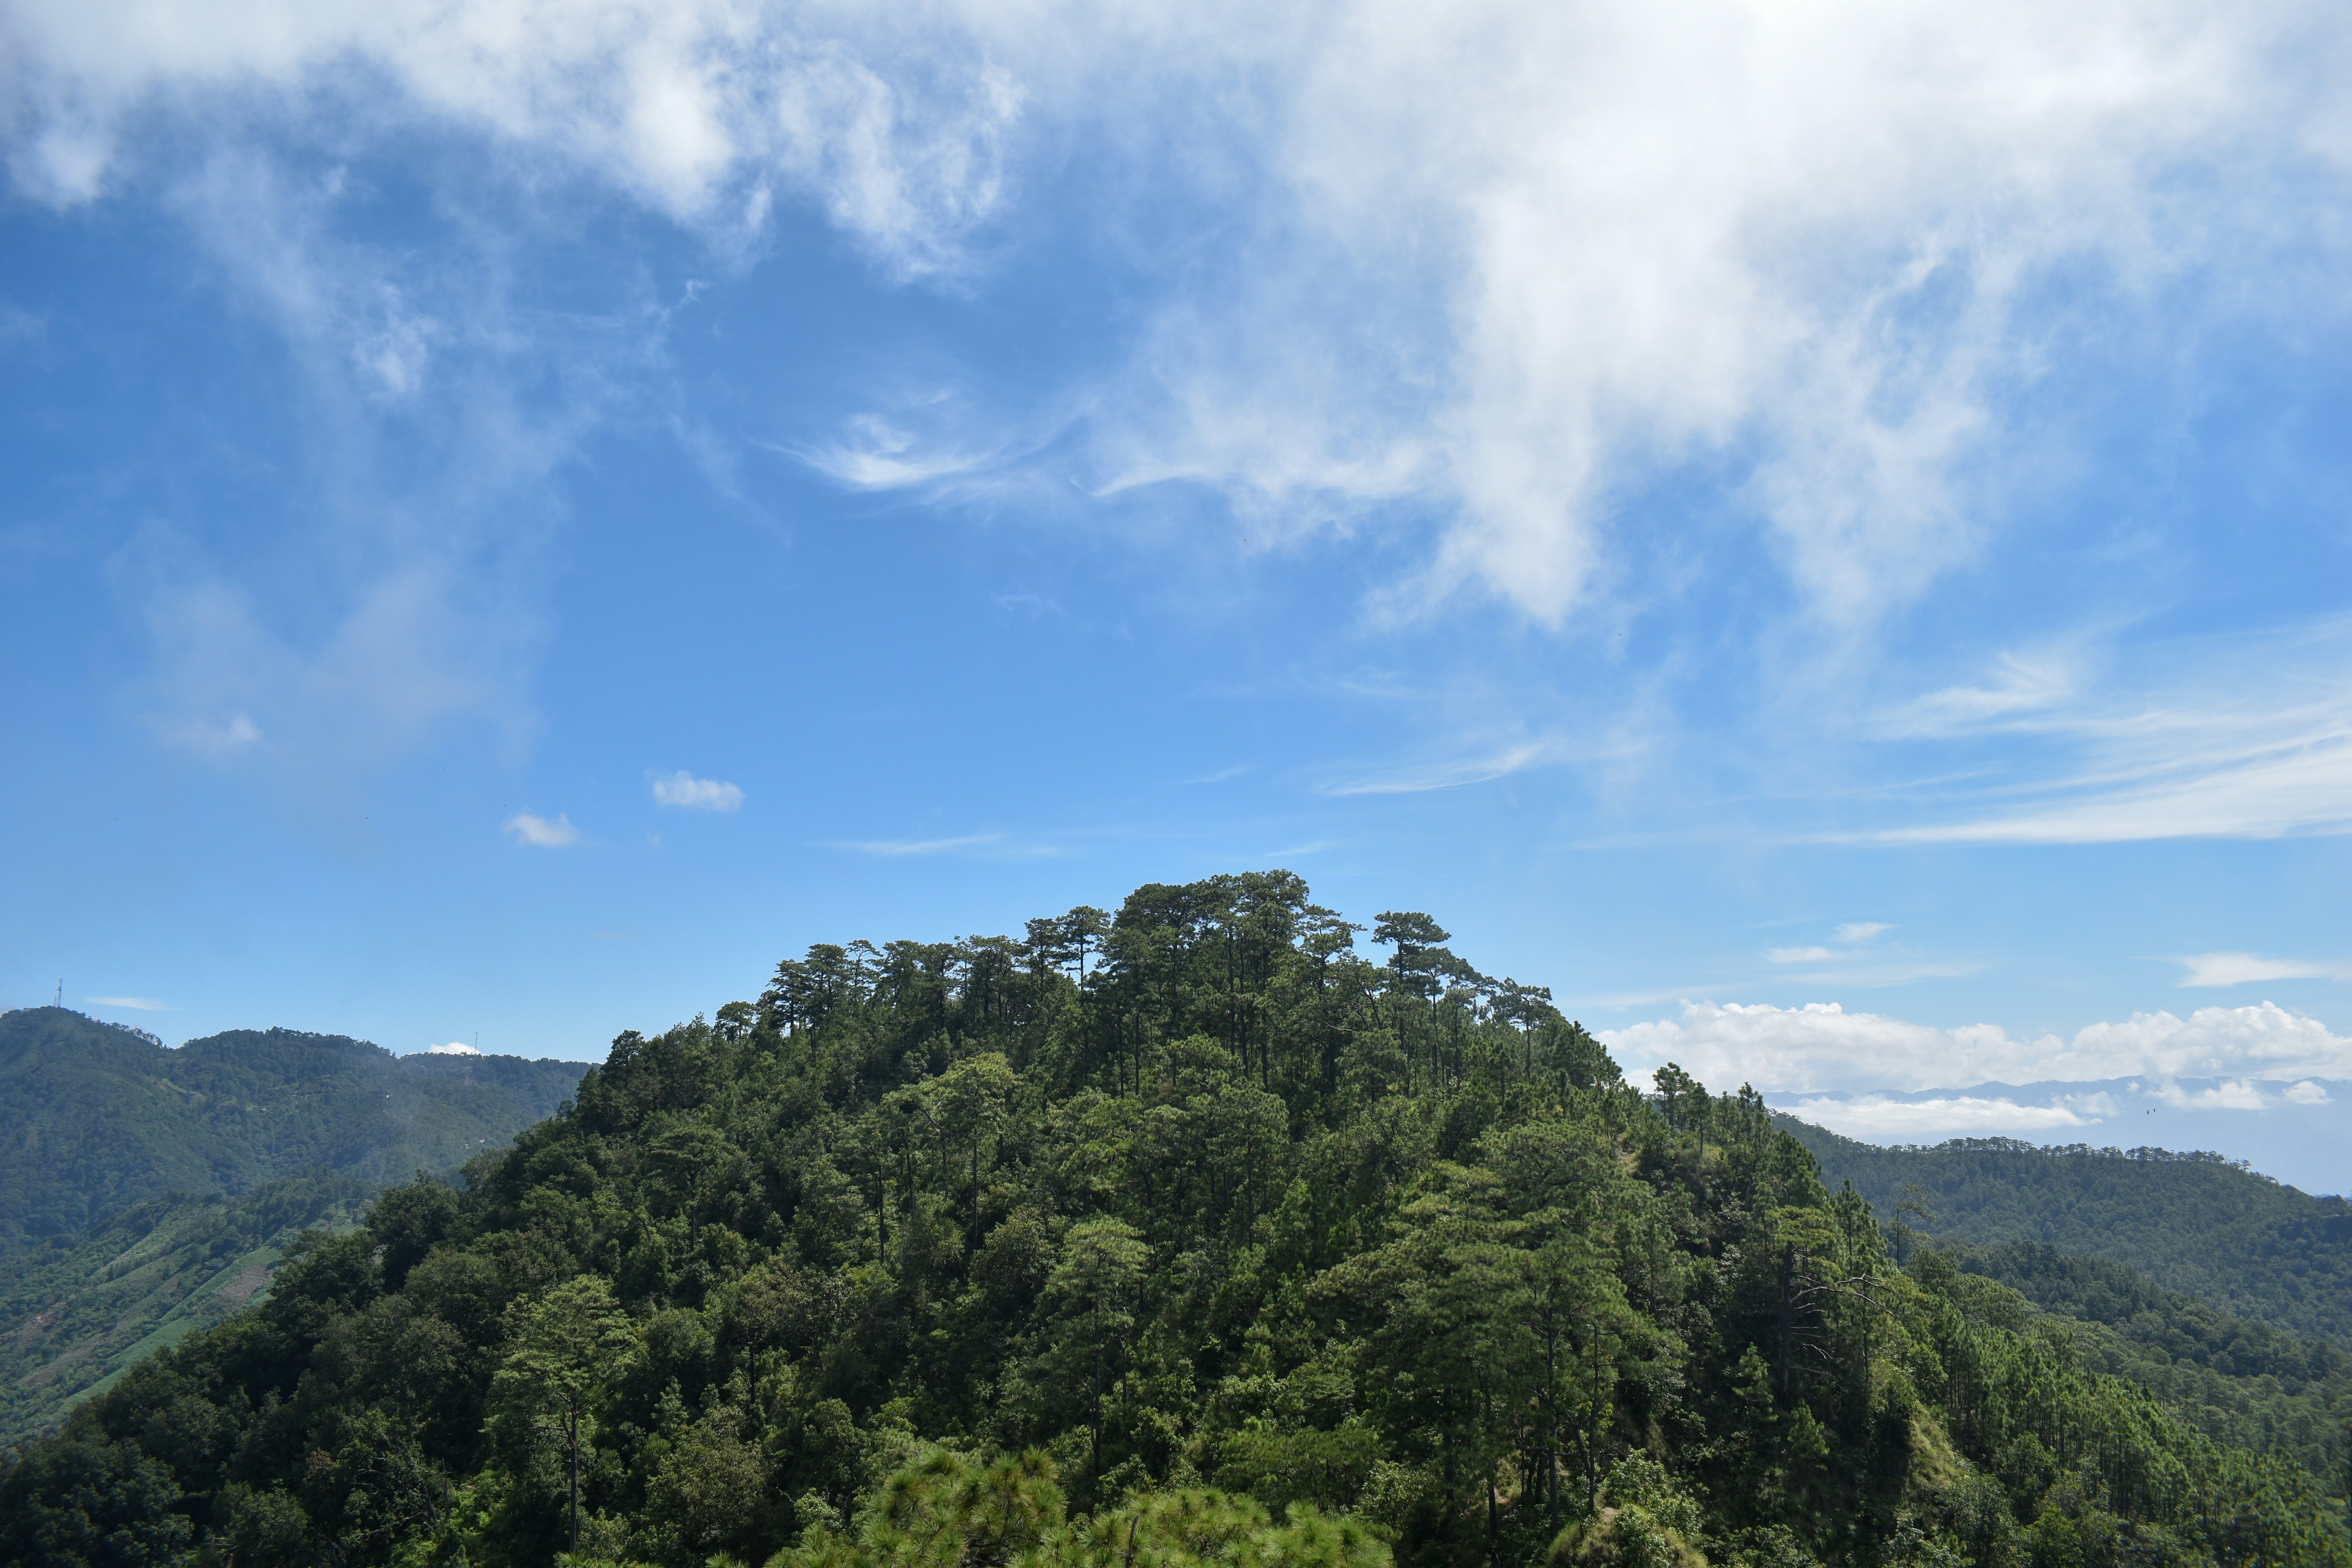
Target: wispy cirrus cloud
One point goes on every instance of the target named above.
(1854, 937)
(874, 453)
(435, 407)
(2247, 737)
(1478, 768)
(136, 1004)
(905, 847)
(2225, 969)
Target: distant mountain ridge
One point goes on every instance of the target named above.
(95, 1117)
(2197, 1224)
(2291, 1127)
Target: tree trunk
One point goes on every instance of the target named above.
(1788, 1315)
(1592, 1439)
(1551, 1425)
(572, 1445)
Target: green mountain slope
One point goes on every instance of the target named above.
(2195, 1224)
(94, 1118)
(2240, 1381)
(941, 1254)
(75, 1312)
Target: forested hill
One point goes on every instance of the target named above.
(95, 1118)
(2196, 1223)
(1191, 1234)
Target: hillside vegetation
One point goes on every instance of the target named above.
(1188, 1235)
(2240, 1381)
(95, 1118)
(75, 1312)
(2195, 1224)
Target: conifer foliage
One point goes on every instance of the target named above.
(1185, 1235)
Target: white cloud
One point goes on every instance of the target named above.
(2234, 1094)
(218, 740)
(136, 1004)
(683, 790)
(454, 1048)
(1503, 259)
(1821, 1046)
(2219, 968)
(541, 833)
(1876, 1119)
(703, 111)
(1855, 934)
(2135, 1111)
(1808, 240)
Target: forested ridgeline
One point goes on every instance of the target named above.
(1187, 1235)
(2194, 1223)
(95, 1117)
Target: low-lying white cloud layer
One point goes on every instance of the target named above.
(2139, 1112)
(1822, 1048)
(1876, 1119)
(454, 1048)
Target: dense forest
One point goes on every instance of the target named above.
(1191, 1233)
(2244, 1382)
(2194, 1222)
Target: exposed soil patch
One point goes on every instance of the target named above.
(241, 1290)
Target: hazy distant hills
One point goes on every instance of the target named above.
(95, 1118)
(2198, 1224)
(148, 1193)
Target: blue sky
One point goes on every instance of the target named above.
(512, 520)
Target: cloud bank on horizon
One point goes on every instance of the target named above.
(1888, 1081)
(1823, 1047)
